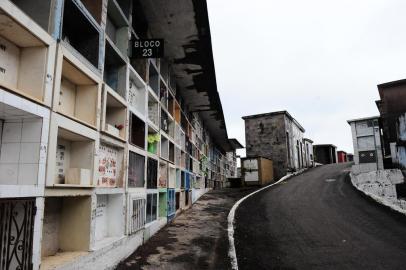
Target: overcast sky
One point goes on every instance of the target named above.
(318, 59)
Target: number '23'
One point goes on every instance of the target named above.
(146, 52)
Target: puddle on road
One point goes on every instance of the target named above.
(330, 180)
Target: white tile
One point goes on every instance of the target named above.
(10, 153)
(12, 132)
(8, 174)
(43, 112)
(31, 130)
(29, 106)
(1, 95)
(29, 152)
(28, 174)
(12, 100)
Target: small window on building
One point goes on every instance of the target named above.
(151, 207)
(376, 123)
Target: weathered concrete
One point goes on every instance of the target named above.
(380, 185)
(277, 136)
(196, 239)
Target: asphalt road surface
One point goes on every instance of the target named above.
(317, 220)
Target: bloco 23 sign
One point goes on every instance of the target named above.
(148, 48)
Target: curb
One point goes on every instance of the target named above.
(231, 217)
(376, 198)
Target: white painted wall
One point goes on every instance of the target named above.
(295, 136)
(366, 138)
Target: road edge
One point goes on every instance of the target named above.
(381, 201)
(231, 217)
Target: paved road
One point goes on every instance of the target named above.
(317, 220)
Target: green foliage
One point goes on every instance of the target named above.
(152, 138)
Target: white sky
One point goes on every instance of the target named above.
(319, 59)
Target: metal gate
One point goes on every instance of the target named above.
(16, 232)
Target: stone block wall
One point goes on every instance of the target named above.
(266, 136)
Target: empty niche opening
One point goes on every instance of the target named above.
(190, 164)
(182, 140)
(115, 70)
(187, 161)
(137, 93)
(139, 21)
(184, 122)
(152, 173)
(171, 128)
(177, 200)
(117, 27)
(116, 117)
(152, 207)
(153, 141)
(109, 219)
(153, 79)
(171, 152)
(136, 170)
(164, 147)
(140, 65)
(187, 197)
(171, 105)
(163, 95)
(111, 170)
(171, 202)
(23, 59)
(153, 110)
(78, 96)
(74, 159)
(80, 33)
(172, 82)
(199, 183)
(95, 8)
(163, 174)
(172, 177)
(164, 121)
(178, 178)
(163, 204)
(39, 11)
(182, 179)
(187, 180)
(125, 6)
(137, 131)
(164, 70)
(178, 156)
(183, 160)
(66, 229)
